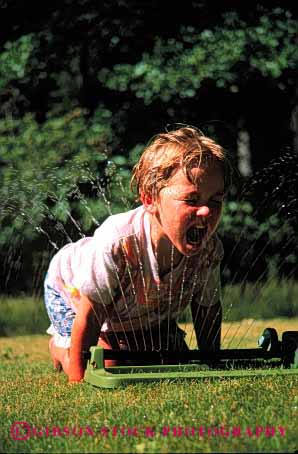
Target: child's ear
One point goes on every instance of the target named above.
(149, 203)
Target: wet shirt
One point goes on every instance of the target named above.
(117, 268)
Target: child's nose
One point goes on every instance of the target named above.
(203, 211)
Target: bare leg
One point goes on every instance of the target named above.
(108, 362)
(60, 356)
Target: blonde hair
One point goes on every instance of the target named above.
(184, 148)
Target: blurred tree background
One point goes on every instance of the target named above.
(84, 85)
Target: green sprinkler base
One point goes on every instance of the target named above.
(113, 377)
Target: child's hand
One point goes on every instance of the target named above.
(85, 332)
(76, 368)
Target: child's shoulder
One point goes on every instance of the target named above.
(121, 236)
(119, 226)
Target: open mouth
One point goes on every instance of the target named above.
(196, 234)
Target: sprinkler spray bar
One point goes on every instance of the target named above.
(174, 357)
(273, 357)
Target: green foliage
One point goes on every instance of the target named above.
(14, 59)
(224, 55)
(241, 219)
(273, 47)
(242, 223)
(68, 71)
(43, 166)
(238, 218)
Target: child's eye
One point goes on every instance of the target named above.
(191, 202)
(215, 203)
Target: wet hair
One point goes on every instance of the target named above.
(184, 148)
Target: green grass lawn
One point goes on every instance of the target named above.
(226, 415)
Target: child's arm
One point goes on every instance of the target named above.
(207, 325)
(85, 332)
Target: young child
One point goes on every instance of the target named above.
(125, 286)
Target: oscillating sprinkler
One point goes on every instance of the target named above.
(272, 357)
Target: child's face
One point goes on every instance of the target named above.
(187, 214)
